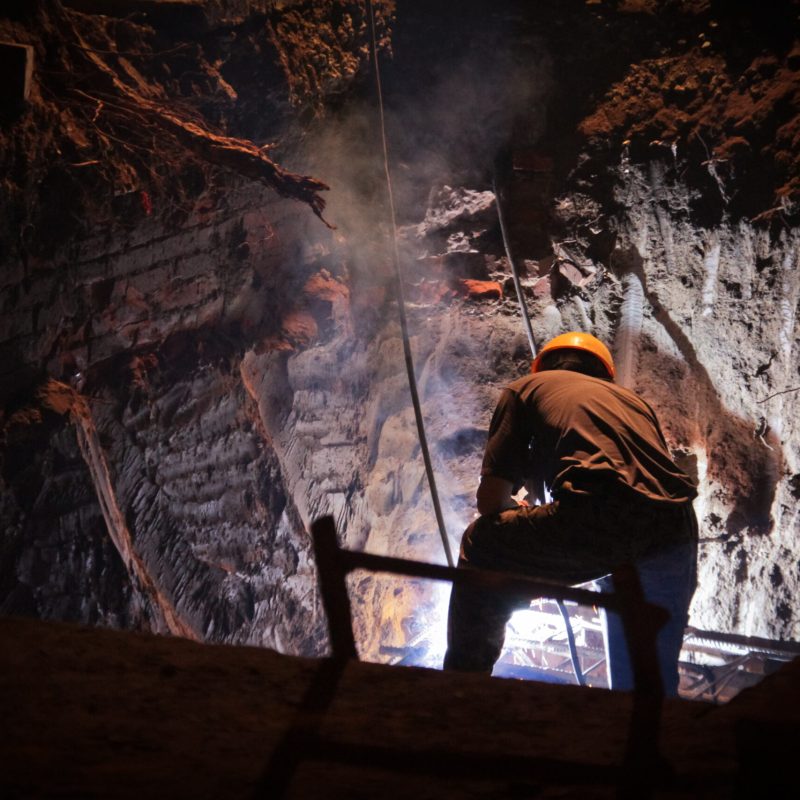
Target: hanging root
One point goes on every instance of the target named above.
(629, 330)
(711, 266)
(237, 155)
(63, 399)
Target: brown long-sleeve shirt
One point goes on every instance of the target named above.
(582, 436)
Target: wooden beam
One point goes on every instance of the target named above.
(16, 74)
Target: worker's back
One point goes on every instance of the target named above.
(591, 436)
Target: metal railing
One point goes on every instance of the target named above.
(642, 767)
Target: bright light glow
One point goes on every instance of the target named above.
(527, 629)
(702, 481)
(437, 626)
(428, 647)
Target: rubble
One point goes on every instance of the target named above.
(482, 290)
(450, 205)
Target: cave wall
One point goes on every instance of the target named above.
(190, 488)
(704, 326)
(184, 392)
(716, 348)
(127, 310)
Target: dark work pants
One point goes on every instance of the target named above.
(668, 580)
(572, 542)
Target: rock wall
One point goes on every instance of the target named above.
(184, 393)
(190, 490)
(715, 349)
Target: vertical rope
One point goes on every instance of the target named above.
(512, 262)
(398, 281)
(573, 650)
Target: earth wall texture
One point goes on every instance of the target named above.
(185, 392)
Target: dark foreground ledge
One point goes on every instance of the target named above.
(95, 713)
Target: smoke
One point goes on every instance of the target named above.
(447, 117)
(451, 132)
(449, 112)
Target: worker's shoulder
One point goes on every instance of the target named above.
(556, 378)
(569, 386)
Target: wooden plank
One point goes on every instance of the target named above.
(16, 69)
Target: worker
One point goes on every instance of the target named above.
(615, 497)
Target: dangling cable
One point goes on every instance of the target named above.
(573, 650)
(513, 264)
(398, 280)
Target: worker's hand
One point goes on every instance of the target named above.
(536, 490)
(494, 495)
(523, 504)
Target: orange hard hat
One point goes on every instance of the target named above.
(575, 340)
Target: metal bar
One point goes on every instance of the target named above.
(333, 588)
(573, 650)
(488, 579)
(401, 307)
(751, 643)
(641, 623)
(523, 306)
(713, 685)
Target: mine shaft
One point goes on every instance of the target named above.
(399, 399)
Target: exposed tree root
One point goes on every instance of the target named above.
(63, 399)
(238, 155)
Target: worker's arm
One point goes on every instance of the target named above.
(494, 495)
(506, 455)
